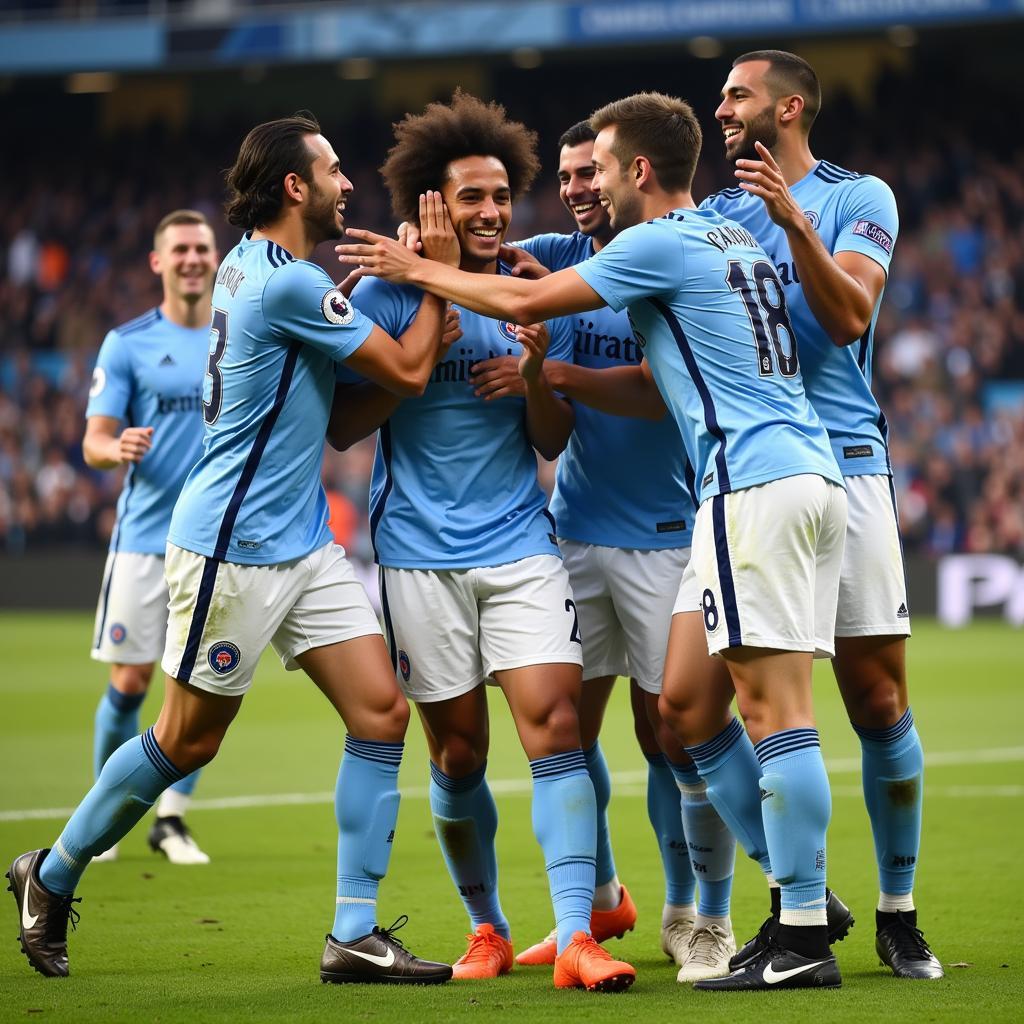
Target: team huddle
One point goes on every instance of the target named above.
(723, 514)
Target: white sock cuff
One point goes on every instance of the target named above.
(889, 904)
(173, 804)
(804, 918)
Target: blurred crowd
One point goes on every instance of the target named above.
(949, 359)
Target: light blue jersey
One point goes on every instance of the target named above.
(149, 373)
(279, 325)
(621, 482)
(851, 213)
(710, 314)
(455, 478)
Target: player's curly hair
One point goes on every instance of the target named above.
(268, 153)
(425, 144)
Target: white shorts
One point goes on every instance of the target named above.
(131, 614)
(624, 597)
(873, 584)
(450, 629)
(765, 566)
(223, 615)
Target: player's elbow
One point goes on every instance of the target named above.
(849, 330)
(409, 385)
(524, 309)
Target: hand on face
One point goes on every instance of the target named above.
(436, 233)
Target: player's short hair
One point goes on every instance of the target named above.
(787, 75)
(268, 153)
(576, 135)
(662, 128)
(178, 217)
(425, 145)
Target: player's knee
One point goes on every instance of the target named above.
(559, 725)
(877, 706)
(131, 679)
(459, 756)
(188, 753)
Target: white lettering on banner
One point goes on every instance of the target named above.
(967, 582)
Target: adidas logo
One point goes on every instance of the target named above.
(901, 612)
(166, 361)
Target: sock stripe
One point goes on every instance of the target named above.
(717, 745)
(124, 701)
(889, 735)
(786, 742)
(464, 784)
(375, 750)
(571, 762)
(158, 758)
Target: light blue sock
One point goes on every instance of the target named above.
(366, 806)
(796, 805)
(117, 721)
(466, 822)
(133, 777)
(597, 767)
(728, 764)
(667, 822)
(712, 846)
(187, 784)
(893, 770)
(565, 824)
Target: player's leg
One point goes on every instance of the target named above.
(331, 633)
(769, 648)
(872, 626)
(530, 644)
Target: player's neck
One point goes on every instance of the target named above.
(290, 234)
(794, 160)
(186, 314)
(471, 266)
(659, 203)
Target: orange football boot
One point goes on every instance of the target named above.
(585, 964)
(604, 925)
(489, 954)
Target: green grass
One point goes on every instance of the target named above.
(241, 939)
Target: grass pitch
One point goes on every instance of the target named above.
(240, 939)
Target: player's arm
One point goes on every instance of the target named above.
(841, 290)
(618, 390)
(107, 446)
(361, 408)
(549, 418)
(509, 298)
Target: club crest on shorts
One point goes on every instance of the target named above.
(404, 665)
(117, 633)
(223, 657)
(336, 308)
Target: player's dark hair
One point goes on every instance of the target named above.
(662, 128)
(789, 75)
(425, 144)
(176, 217)
(576, 135)
(268, 153)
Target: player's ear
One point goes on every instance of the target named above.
(293, 187)
(154, 262)
(792, 108)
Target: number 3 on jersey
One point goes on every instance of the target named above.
(214, 378)
(768, 315)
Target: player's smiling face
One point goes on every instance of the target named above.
(747, 111)
(614, 186)
(479, 203)
(329, 190)
(186, 260)
(576, 188)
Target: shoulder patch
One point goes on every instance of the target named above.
(875, 233)
(336, 308)
(99, 382)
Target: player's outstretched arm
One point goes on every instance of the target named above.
(106, 446)
(619, 390)
(549, 419)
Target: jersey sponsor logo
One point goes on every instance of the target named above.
(337, 309)
(404, 665)
(874, 233)
(588, 343)
(857, 451)
(223, 657)
(99, 382)
(117, 633)
(180, 403)
(812, 218)
(671, 527)
(508, 329)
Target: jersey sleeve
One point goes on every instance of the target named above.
(645, 260)
(868, 221)
(300, 301)
(554, 251)
(111, 391)
(387, 305)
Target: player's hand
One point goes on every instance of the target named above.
(439, 240)
(377, 256)
(497, 378)
(763, 178)
(452, 331)
(523, 264)
(133, 443)
(409, 236)
(351, 280)
(535, 340)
